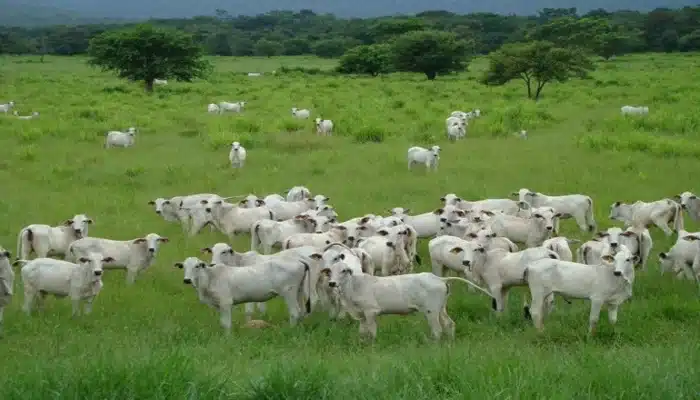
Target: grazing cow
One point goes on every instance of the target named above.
(81, 281)
(506, 206)
(642, 214)
(120, 139)
(134, 255)
(324, 126)
(609, 283)
(560, 245)
(691, 204)
(47, 241)
(427, 224)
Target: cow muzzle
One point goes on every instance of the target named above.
(158, 212)
(78, 233)
(151, 250)
(97, 273)
(549, 228)
(187, 281)
(613, 245)
(467, 263)
(332, 284)
(617, 273)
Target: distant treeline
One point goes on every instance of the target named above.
(305, 32)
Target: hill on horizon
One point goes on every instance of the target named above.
(47, 12)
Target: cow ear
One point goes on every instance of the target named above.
(179, 265)
(139, 240)
(206, 250)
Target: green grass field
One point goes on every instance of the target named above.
(154, 340)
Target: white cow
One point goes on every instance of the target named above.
(254, 74)
(506, 206)
(120, 139)
(368, 296)
(301, 114)
(427, 224)
(387, 253)
(691, 204)
(134, 255)
(213, 108)
(298, 193)
(642, 214)
(34, 114)
(609, 283)
(177, 208)
(560, 245)
(232, 219)
(679, 259)
(329, 297)
(81, 281)
(419, 155)
(48, 241)
(405, 236)
(637, 240)
(695, 270)
(232, 107)
(237, 155)
(284, 210)
(160, 82)
(488, 238)
(336, 233)
(576, 206)
(446, 253)
(500, 270)
(456, 129)
(5, 108)
(222, 287)
(269, 233)
(7, 280)
(324, 126)
(634, 110)
(532, 231)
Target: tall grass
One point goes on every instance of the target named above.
(154, 340)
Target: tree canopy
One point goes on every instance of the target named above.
(146, 53)
(372, 60)
(429, 52)
(536, 63)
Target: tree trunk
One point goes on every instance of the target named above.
(540, 85)
(431, 75)
(529, 89)
(149, 85)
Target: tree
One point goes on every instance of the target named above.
(429, 52)
(690, 42)
(267, 48)
(332, 48)
(146, 53)
(373, 60)
(537, 64)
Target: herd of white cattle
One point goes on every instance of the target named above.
(364, 267)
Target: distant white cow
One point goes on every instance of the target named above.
(456, 128)
(301, 114)
(634, 110)
(81, 281)
(134, 255)
(324, 126)
(160, 82)
(5, 108)
(609, 283)
(506, 206)
(254, 74)
(421, 155)
(428, 224)
(232, 107)
(7, 279)
(237, 155)
(213, 108)
(47, 241)
(642, 214)
(120, 139)
(269, 233)
(298, 193)
(34, 114)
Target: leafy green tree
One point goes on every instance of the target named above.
(429, 52)
(267, 48)
(374, 59)
(536, 63)
(146, 53)
(690, 42)
(296, 47)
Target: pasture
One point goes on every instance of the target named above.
(154, 340)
